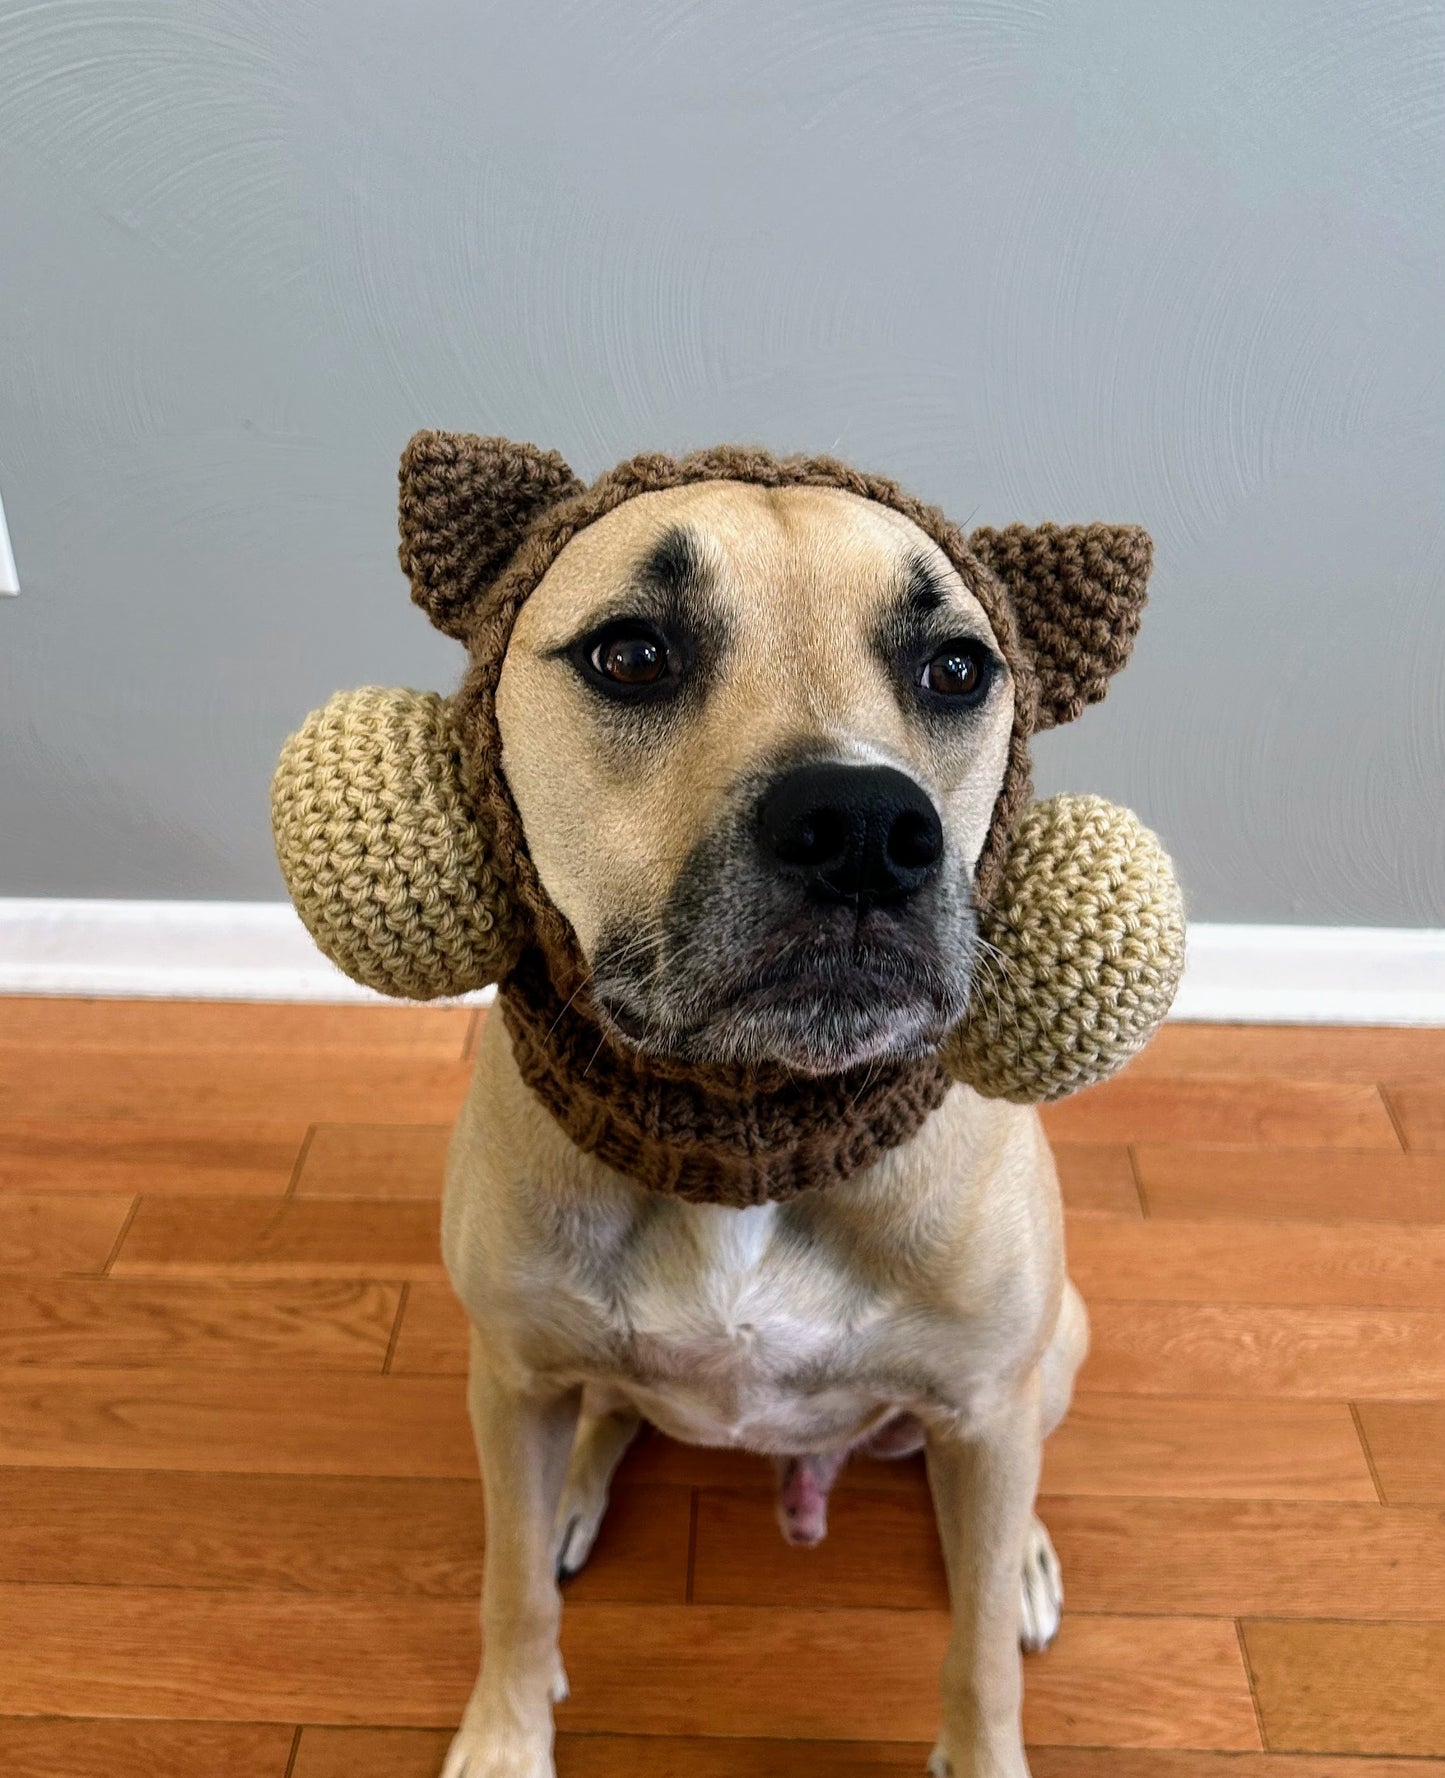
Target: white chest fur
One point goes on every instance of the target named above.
(741, 1331)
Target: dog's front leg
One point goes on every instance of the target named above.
(524, 1437)
(983, 1491)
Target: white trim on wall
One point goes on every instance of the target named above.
(258, 950)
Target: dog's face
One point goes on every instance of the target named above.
(756, 737)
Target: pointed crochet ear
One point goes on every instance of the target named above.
(1082, 951)
(466, 503)
(1078, 592)
(388, 867)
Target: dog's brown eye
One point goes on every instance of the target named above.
(631, 659)
(956, 672)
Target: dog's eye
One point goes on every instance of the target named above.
(630, 656)
(959, 671)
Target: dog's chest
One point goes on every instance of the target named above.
(733, 1329)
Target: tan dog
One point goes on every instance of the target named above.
(754, 736)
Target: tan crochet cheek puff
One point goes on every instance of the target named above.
(395, 880)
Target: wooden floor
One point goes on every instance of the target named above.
(240, 1532)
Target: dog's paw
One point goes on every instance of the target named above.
(578, 1522)
(1043, 1592)
(942, 1764)
(477, 1754)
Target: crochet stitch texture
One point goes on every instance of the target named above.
(405, 854)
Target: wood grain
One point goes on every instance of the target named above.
(1097, 1179)
(121, 1155)
(1419, 1108)
(216, 1506)
(417, 1753)
(292, 1238)
(1300, 1052)
(370, 1753)
(1242, 1112)
(344, 1324)
(1232, 1450)
(1140, 1557)
(1407, 1442)
(336, 1086)
(1279, 1352)
(47, 1235)
(55, 1748)
(1111, 1762)
(374, 1161)
(1231, 1558)
(433, 1337)
(74, 1023)
(1317, 1184)
(313, 1534)
(1345, 1264)
(309, 1423)
(1350, 1688)
(872, 1675)
(309, 1658)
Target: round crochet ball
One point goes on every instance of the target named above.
(384, 860)
(1081, 954)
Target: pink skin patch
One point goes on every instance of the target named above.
(804, 1482)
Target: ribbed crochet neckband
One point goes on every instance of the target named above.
(714, 1135)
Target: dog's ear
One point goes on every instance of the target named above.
(1078, 592)
(466, 503)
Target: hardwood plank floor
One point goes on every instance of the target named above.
(1406, 1441)
(311, 1534)
(243, 1534)
(1349, 1265)
(1291, 1185)
(343, 1324)
(1241, 1349)
(91, 1154)
(374, 1161)
(417, 1753)
(52, 1236)
(296, 1238)
(1242, 1111)
(1419, 1110)
(60, 1747)
(1349, 1687)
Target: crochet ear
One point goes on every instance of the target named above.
(1078, 592)
(389, 869)
(466, 504)
(1082, 951)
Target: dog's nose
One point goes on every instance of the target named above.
(852, 833)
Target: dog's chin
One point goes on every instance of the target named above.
(808, 1027)
(818, 1034)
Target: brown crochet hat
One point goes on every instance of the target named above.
(482, 520)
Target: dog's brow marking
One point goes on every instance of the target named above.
(926, 593)
(674, 563)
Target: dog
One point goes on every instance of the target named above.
(755, 737)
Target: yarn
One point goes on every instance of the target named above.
(1081, 955)
(405, 854)
(386, 864)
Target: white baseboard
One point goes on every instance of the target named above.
(258, 950)
(167, 950)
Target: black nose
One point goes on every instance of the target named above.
(852, 833)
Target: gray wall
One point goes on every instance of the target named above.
(1179, 263)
